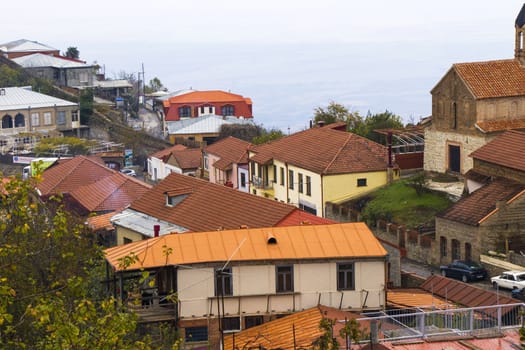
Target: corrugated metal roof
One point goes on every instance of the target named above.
(143, 223)
(111, 84)
(24, 45)
(19, 98)
(338, 241)
(201, 125)
(41, 60)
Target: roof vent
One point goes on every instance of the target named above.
(270, 238)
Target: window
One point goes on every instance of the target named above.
(274, 173)
(243, 180)
(7, 122)
(361, 182)
(193, 334)
(455, 250)
(290, 179)
(185, 112)
(61, 117)
(127, 240)
(206, 165)
(284, 279)
(253, 168)
(74, 116)
(224, 282)
(227, 110)
(282, 176)
(308, 186)
(443, 246)
(468, 251)
(231, 324)
(252, 321)
(47, 118)
(300, 183)
(307, 208)
(345, 276)
(20, 120)
(35, 119)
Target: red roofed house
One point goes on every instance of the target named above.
(187, 204)
(198, 103)
(89, 187)
(251, 276)
(176, 159)
(318, 167)
(226, 162)
(473, 103)
(491, 216)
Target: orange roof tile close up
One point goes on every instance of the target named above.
(505, 150)
(491, 79)
(167, 151)
(349, 240)
(325, 151)
(186, 159)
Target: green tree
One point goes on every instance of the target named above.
(72, 52)
(352, 330)
(385, 120)
(327, 340)
(86, 106)
(154, 85)
(49, 286)
(68, 146)
(336, 112)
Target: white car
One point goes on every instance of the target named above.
(509, 280)
(128, 171)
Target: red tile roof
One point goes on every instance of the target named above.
(69, 174)
(206, 97)
(488, 126)
(113, 193)
(325, 151)
(167, 151)
(186, 159)
(279, 333)
(230, 150)
(472, 210)
(505, 150)
(211, 206)
(306, 242)
(100, 222)
(490, 79)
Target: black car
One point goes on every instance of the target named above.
(464, 270)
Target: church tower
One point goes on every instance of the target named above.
(519, 49)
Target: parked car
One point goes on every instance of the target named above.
(128, 171)
(464, 270)
(509, 280)
(519, 293)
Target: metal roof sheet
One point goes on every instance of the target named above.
(13, 98)
(143, 223)
(41, 60)
(206, 124)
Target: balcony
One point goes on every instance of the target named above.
(260, 183)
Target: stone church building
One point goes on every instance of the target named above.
(472, 104)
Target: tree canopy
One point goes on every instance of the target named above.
(253, 133)
(336, 112)
(385, 120)
(72, 52)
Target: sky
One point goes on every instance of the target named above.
(289, 57)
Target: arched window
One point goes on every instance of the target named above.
(7, 122)
(20, 121)
(228, 110)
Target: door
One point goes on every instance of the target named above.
(454, 158)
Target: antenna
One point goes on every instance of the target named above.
(219, 273)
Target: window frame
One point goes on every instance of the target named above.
(346, 284)
(184, 111)
(308, 185)
(282, 176)
(283, 276)
(201, 330)
(61, 117)
(290, 179)
(362, 182)
(48, 120)
(226, 282)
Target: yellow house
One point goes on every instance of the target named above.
(318, 166)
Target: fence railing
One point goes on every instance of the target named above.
(415, 323)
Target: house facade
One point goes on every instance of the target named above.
(26, 112)
(473, 103)
(195, 104)
(318, 167)
(239, 275)
(226, 162)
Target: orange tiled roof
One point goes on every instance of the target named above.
(210, 206)
(113, 192)
(349, 240)
(490, 79)
(472, 210)
(325, 151)
(500, 125)
(279, 333)
(100, 222)
(67, 175)
(505, 150)
(415, 298)
(229, 150)
(206, 97)
(187, 159)
(167, 151)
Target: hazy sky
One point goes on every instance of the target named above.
(289, 56)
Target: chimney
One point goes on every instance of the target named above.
(320, 123)
(156, 230)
